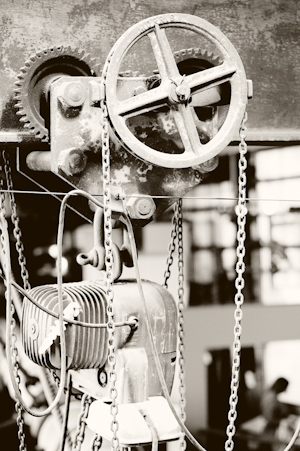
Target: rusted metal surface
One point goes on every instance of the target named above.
(266, 35)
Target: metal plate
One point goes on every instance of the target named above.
(266, 35)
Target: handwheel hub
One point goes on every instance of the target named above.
(179, 92)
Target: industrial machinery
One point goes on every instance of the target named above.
(128, 140)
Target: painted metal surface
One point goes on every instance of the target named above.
(266, 35)
(87, 348)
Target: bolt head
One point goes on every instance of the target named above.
(141, 208)
(33, 328)
(72, 161)
(74, 94)
(102, 377)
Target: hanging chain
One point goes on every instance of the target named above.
(15, 220)
(178, 212)
(177, 233)
(13, 350)
(109, 264)
(172, 247)
(81, 425)
(241, 212)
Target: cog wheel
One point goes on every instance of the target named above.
(34, 80)
(195, 58)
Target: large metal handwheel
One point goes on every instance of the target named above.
(179, 93)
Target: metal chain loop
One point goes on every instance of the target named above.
(182, 388)
(81, 425)
(97, 442)
(172, 247)
(109, 264)
(13, 350)
(241, 212)
(15, 220)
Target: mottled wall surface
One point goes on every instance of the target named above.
(266, 34)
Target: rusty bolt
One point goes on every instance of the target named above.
(74, 94)
(141, 207)
(72, 161)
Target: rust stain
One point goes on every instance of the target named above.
(266, 34)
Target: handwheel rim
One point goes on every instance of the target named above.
(237, 106)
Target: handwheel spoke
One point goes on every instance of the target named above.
(163, 54)
(143, 103)
(210, 78)
(183, 116)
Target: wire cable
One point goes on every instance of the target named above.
(294, 438)
(154, 196)
(66, 320)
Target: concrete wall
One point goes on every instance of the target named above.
(266, 34)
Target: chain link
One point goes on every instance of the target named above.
(97, 442)
(109, 264)
(81, 425)
(241, 212)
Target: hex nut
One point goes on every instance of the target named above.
(140, 207)
(72, 161)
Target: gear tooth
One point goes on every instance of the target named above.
(22, 113)
(23, 71)
(27, 124)
(24, 119)
(81, 53)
